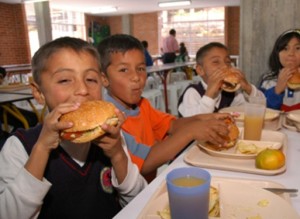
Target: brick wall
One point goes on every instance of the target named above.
(232, 29)
(14, 41)
(145, 27)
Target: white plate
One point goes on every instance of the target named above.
(235, 153)
(242, 201)
(294, 117)
(269, 115)
(248, 201)
(288, 124)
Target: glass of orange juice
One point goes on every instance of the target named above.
(254, 120)
(188, 192)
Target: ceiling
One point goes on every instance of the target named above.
(128, 6)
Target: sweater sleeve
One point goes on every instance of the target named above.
(21, 194)
(133, 183)
(274, 101)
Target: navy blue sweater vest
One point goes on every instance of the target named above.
(76, 192)
(226, 97)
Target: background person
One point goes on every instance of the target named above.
(2, 75)
(149, 61)
(183, 53)
(284, 61)
(170, 47)
(207, 96)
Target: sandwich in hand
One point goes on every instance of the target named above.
(87, 121)
(231, 82)
(230, 139)
(294, 82)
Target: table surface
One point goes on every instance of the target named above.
(158, 68)
(290, 178)
(13, 97)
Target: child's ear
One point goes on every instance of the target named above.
(200, 70)
(37, 94)
(104, 80)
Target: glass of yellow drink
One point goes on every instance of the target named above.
(254, 120)
(188, 191)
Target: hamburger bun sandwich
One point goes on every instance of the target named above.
(230, 139)
(87, 121)
(231, 82)
(294, 82)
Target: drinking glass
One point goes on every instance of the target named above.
(188, 191)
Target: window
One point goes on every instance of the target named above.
(64, 23)
(67, 23)
(194, 27)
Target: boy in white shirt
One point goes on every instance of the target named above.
(207, 96)
(46, 177)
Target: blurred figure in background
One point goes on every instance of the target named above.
(183, 53)
(170, 47)
(149, 61)
(2, 75)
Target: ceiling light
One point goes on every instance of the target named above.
(33, 1)
(174, 3)
(104, 10)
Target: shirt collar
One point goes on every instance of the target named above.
(128, 112)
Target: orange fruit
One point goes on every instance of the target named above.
(270, 159)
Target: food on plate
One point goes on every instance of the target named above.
(263, 203)
(270, 159)
(230, 139)
(165, 213)
(87, 121)
(254, 147)
(214, 202)
(246, 147)
(214, 205)
(294, 81)
(231, 82)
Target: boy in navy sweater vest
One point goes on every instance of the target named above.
(46, 177)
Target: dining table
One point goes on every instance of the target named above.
(163, 71)
(6, 102)
(15, 94)
(290, 178)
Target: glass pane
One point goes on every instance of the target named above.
(64, 23)
(194, 27)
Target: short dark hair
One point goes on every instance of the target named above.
(145, 44)
(172, 32)
(116, 43)
(204, 49)
(2, 72)
(280, 44)
(40, 58)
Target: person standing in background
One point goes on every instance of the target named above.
(149, 61)
(2, 75)
(183, 53)
(170, 47)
